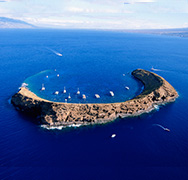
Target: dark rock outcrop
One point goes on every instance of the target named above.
(156, 91)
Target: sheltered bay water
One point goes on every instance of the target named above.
(88, 81)
(156, 91)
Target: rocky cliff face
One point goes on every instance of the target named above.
(157, 91)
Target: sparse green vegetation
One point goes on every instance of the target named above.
(150, 80)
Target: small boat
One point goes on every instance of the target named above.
(123, 74)
(46, 76)
(78, 92)
(65, 100)
(97, 96)
(113, 135)
(166, 129)
(57, 75)
(43, 88)
(56, 92)
(111, 93)
(55, 52)
(64, 91)
(153, 69)
(69, 97)
(59, 54)
(126, 87)
(83, 96)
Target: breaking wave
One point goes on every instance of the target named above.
(59, 127)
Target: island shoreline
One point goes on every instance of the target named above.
(157, 91)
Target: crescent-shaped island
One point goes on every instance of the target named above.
(157, 91)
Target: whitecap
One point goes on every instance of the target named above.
(74, 125)
(59, 127)
(52, 127)
(156, 107)
(23, 85)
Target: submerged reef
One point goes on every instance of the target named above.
(156, 91)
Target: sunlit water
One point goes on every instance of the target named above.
(95, 62)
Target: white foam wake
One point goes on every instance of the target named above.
(59, 127)
(164, 128)
(156, 107)
(23, 85)
(153, 69)
(55, 52)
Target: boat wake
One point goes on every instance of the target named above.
(165, 129)
(153, 69)
(55, 52)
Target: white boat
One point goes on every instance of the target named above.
(111, 93)
(153, 69)
(126, 87)
(97, 96)
(43, 88)
(56, 92)
(65, 100)
(83, 96)
(46, 76)
(64, 91)
(164, 128)
(55, 52)
(78, 92)
(113, 135)
(59, 54)
(69, 97)
(57, 75)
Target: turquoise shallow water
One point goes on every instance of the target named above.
(95, 61)
(89, 82)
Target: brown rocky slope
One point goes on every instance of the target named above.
(156, 91)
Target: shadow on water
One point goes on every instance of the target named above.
(28, 117)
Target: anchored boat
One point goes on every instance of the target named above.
(111, 93)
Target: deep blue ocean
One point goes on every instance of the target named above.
(95, 62)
